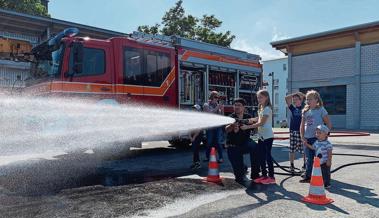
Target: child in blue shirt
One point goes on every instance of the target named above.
(295, 105)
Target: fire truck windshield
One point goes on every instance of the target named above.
(48, 64)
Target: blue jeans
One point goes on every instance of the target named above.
(309, 154)
(215, 139)
(264, 150)
(235, 155)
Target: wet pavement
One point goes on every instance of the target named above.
(156, 182)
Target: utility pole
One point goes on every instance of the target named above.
(272, 96)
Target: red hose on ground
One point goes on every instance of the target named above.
(332, 134)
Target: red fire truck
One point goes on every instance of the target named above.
(151, 69)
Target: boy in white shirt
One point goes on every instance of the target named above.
(323, 150)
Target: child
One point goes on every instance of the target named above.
(295, 105)
(264, 125)
(314, 114)
(323, 150)
(196, 138)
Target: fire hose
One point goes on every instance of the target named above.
(297, 171)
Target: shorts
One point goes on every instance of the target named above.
(295, 142)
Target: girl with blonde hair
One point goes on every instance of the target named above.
(313, 115)
(266, 137)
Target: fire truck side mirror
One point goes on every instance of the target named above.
(78, 57)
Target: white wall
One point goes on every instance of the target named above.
(281, 74)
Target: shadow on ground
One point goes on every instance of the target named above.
(273, 193)
(360, 194)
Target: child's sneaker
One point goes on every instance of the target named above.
(268, 180)
(259, 179)
(292, 169)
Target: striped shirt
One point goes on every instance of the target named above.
(322, 147)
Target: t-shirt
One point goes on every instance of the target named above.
(322, 147)
(265, 131)
(296, 117)
(240, 137)
(211, 108)
(313, 118)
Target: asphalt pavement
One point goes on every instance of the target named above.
(156, 181)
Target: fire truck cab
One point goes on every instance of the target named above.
(160, 70)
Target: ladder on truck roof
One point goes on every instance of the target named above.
(172, 41)
(153, 39)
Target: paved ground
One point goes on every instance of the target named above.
(156, 182)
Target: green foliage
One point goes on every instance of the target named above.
(176, 22)
(150, 30)
(32, 7)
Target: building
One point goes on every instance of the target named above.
(343, 65)
(275, 72)
(20, 32)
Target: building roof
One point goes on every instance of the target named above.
(366, 33)
(21, 23)
(275, 59)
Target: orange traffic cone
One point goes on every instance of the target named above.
(316, 190)
(213, 174)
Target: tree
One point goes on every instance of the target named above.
(32, 7)
(150, 30)
(176, 22)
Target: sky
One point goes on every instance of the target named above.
(254, 23)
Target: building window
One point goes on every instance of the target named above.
(276, 98)
(334, 98)
(276, 84)
(276, 110)
(284, 67)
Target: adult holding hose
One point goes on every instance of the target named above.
(214, 135)
(239, 143)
